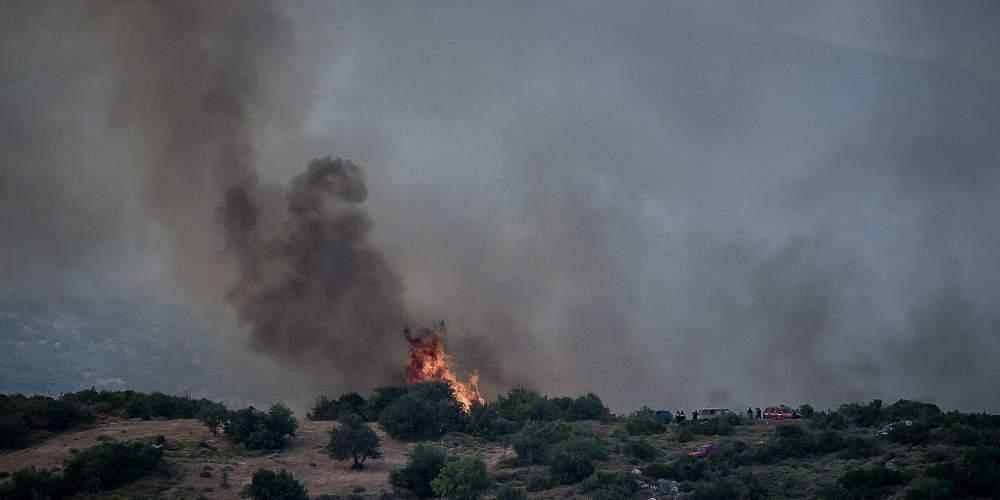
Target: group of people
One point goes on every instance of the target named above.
(753, 415)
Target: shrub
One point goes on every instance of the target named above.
(917, 433)
(928, 488)
(587, 407)
(31, 484)
(485, 421)
(533, 442)
(605, 486)
(871, 482)
(807, 411)
(644, 422)
(268, 485)
(975, 474)
(13, 431)
(828, 420)
(213, 415)
(323, 408)
(410, 417)
(463, 479)
(640, 450)
(684, 435)
(111, 464)
(863, 415)
(259, 430)
(683, 469)
(380, 399)
(425, 412)
(724, 489)
(424, 465)
(521, 405)
(657, 470)
(572, 460)
(539, 482)
(353, 439)
(507, 492)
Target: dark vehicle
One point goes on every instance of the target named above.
(704, 451)
(780, 413)
(888, 428)
(714, 412)
(665, 415)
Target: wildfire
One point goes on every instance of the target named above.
(428, 362)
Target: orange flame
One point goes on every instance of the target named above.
(428, 362)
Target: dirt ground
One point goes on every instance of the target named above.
(195, 454)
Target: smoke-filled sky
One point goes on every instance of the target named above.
(676, 204)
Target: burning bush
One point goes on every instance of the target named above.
(429, 362)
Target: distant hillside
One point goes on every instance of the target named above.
(112, 346)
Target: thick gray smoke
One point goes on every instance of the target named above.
(673, 204)
(196, 89)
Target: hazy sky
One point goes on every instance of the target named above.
(668, 203)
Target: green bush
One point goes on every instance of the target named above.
(539, 482)
(683, 469)
(572, 460)
(426, 411)
(463, 479)
(381, 398)
(587, 407)
(258, 430)
(807, 411)
(213, 416)
(533, 443)
(34, 484)
(507, 492)
(828, 420)
(14, 432)
(268, 485)
(639, 450)
(99, 468)
(975, 474)
(111, 464)
(871, 482)
(607, 486)
(724, 489)
(864, 415)
(916, 433)
(644, 422)
(485, 421)
(353, 439)
(928, 488)
(323, 408)
(684, 435)
(424, 465)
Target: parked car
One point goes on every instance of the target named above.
(706, 413)
(704, 451)
(888, 428)
(781, 412)
(665, 415)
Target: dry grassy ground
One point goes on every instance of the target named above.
(190, 450)
(194, 453)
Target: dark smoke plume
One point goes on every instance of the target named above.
(196, 88)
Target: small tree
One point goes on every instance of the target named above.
(426, 462)
(268, 485)
(463, 479)
(213, 415)
(353, 439)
